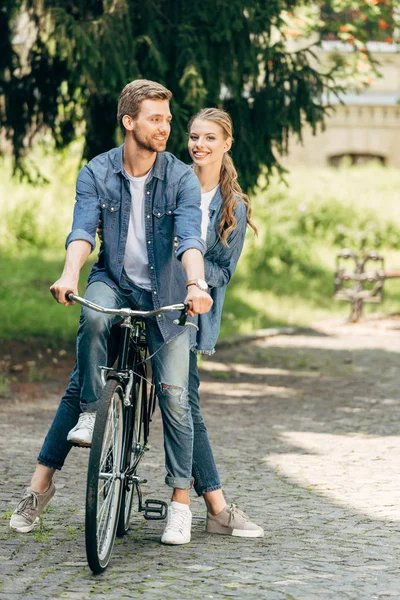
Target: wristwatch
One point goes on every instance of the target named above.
(200, 283)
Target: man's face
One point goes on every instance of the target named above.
(150, 130)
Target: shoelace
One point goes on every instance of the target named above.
(178, 520)
(27, 505)
(86, 420)
(233, 512)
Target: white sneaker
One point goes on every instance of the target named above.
(179, 524)
(82, 433)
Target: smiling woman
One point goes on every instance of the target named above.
(225, 215)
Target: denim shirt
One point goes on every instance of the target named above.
(172, 208)
(220, 263)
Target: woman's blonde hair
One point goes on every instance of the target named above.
(230, 188)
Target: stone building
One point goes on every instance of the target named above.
(366, 127)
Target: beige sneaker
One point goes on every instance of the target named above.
(232, 521)
(30, 508)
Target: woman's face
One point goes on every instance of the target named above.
(207, 144)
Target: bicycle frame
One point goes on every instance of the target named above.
(115, 457)
(123, 371)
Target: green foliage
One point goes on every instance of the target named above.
(4, 385)
(39, 217)
(255, 59)
(285, 276)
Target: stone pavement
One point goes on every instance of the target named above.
(306, 434)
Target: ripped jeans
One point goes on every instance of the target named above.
(171, 373)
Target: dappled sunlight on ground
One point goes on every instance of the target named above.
(216, 367)
(356, 471)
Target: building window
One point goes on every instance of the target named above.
(355, 159)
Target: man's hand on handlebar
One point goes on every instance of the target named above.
(200, 302)
(61, 287)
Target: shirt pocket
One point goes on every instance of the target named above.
(109, 205)
(110, 211)
(164, 220)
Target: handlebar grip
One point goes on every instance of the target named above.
(68, 295)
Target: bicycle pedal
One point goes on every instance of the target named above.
(155, 510)
(86, 446)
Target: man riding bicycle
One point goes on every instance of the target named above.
(145, 198)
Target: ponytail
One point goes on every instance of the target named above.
(231, 191)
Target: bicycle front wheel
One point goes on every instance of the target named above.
(103, 493)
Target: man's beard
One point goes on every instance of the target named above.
(148, 145)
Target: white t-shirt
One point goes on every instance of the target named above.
(136, 263)
(206, 199)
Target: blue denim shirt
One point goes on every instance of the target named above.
(172, 208)
(220, 263)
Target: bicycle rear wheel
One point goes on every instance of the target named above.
(103, 493)
(135, 448)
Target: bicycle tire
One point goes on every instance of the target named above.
(135, 448)
(103, 492)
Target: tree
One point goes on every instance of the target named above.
(254, 58)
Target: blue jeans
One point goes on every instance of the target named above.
(187, 448)
(204, 469)
(170, 367)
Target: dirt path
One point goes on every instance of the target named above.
(306, 434)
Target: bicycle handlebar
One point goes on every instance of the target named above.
(128, 312)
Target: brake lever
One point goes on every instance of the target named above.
(182, 319)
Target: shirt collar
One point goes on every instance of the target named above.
(217, 199)
(216, 202)
(158, 169)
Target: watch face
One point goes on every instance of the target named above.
(202, 285)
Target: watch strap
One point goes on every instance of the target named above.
(191, 282)
(196, 283)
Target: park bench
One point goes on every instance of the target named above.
(360, 283)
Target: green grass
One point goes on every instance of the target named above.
(41, 532)
(285, 276)
(25, 298)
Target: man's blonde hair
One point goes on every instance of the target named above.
(135, 92)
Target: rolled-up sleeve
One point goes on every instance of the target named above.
(86, 211)
(188, 215)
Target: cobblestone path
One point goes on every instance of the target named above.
(306, 434)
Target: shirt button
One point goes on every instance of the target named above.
(149, 242)
(154, 292)
(158, 214)
(148, 193)
(148, 216)
(169, 212)
(151, 268)
(158, 316)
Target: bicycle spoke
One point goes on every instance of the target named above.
(102, 522)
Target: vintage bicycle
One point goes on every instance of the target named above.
(120, 435)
